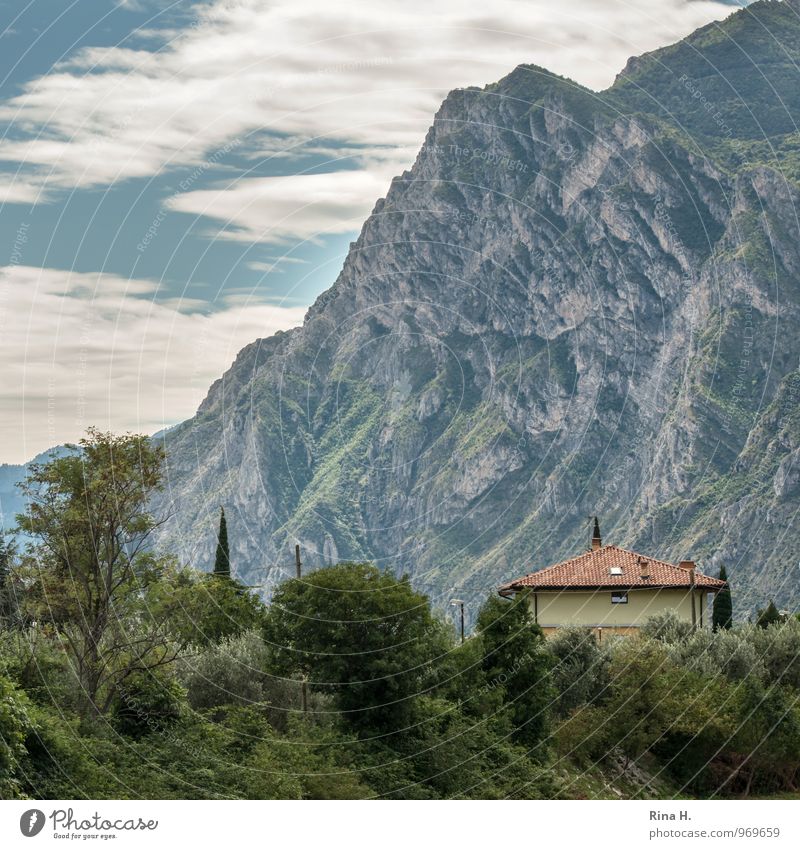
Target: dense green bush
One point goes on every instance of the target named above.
(580, 672)
(15, 722)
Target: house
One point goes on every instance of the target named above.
(614, 590)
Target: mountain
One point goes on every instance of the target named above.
(574, 303)
(11, 499)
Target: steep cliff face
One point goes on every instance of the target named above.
(574, 303)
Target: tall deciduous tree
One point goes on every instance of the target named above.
(516, 660)
(222, 561)
(361, 635)
(90, 572)
(722, 611)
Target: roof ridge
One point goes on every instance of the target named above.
(610, 548)
(646, 556)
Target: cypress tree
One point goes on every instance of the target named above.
(768, 617)
(722, 612)
(222, 561)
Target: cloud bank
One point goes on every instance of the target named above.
(96, 349)
(366, 77)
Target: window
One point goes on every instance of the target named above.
(619, 598)
(616, 570)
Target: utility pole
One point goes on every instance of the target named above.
(297, 562)
(457, 602)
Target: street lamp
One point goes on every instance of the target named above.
(458, 602)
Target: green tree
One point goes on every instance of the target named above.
(222, 560)
(211, 610)
(516, 660)
(722, 612)
(89, 574)
(361, 635)
(767, 738)
(8, 595)
(580, 670)
(15, 723)
(769, 616)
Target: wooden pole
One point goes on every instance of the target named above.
(462, 623)
(297, 562)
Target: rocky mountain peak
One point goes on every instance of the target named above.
(572, 304)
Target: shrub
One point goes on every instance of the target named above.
(15, 723)
(234, 672)
(580, 669)
(667, 628)
(147, 702)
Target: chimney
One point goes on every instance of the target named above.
(689, 566)
(644, 568)
(597, 541)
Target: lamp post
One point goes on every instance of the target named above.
(458, 602)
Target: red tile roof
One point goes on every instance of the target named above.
(593, 570)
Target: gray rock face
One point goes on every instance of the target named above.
(563, 309)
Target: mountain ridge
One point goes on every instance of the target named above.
(541, 320)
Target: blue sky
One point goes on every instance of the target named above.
(178, 179)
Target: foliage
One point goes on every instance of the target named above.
(730, 654)
(667, 627)
(234, 672)
(14, 724)
(515, 660)
(207, 609)
(358, 634)
(9, 608)
(770, 615)
(222, 559)
(89, 574)
(580, 673)
(147, 702)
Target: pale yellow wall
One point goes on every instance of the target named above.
(595, 607)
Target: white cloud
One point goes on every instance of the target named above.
(275, 209)
(274, 263)
(83, 349)
(366, 74)
(17, 191)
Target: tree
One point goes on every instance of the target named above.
(15, 724)
(8, 594)
(222, 561)
(769, 616)
(515, 658)
(90, 572)
(722, 611)
(580, 671)
(212, 610)
(361, 635)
